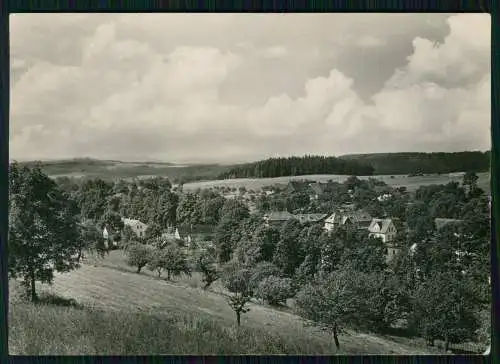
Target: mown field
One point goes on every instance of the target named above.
(411, 183)
(114, 311)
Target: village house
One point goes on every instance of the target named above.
(139, 228)
(382, 228)
(385, 229)
(337, 219)
(277, 218)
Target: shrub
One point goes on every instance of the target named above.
(274, 290)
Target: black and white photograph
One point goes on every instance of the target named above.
(249, 183)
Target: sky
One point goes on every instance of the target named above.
(242, 87)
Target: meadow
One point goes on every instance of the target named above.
(411, 183)
(99, 309)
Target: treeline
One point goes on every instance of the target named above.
(414, 163)
(296, 166)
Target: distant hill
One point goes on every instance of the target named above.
(427, 163)
(351, 164)
(112, 169)
(296, 166)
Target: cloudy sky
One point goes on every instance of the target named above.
(238, 87)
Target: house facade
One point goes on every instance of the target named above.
(139, 228)
(385, 230)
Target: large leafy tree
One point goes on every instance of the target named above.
(348, 297)
(288, 253)
(170, 259)
(91, 239)
(139, 255)
(444, 308)
(229, 230)
(43, 233)
(93, 198)
(420, 222)
(470, 180)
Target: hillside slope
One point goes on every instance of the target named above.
(128, 293)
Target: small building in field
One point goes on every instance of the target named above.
(277, 218)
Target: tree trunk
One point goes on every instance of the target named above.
(139, 269)
(238, 318)
(33, 286)
(446, 344)
(159, 273)
(168, 275)
(335, 336)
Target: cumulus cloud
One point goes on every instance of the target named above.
(128, 96)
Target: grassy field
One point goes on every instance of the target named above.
(206, 173)
(114, 311)
(411, 183)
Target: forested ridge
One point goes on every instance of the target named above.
(296, 166)
(406, 163)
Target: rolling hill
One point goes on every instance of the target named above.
(116, 310)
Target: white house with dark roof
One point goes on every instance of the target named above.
(386, 230)
(382, 228)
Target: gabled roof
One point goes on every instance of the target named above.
(380, 225)
(440, 222)
(337, 218)
(310, 217)
(132, 222)
(279, 216)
